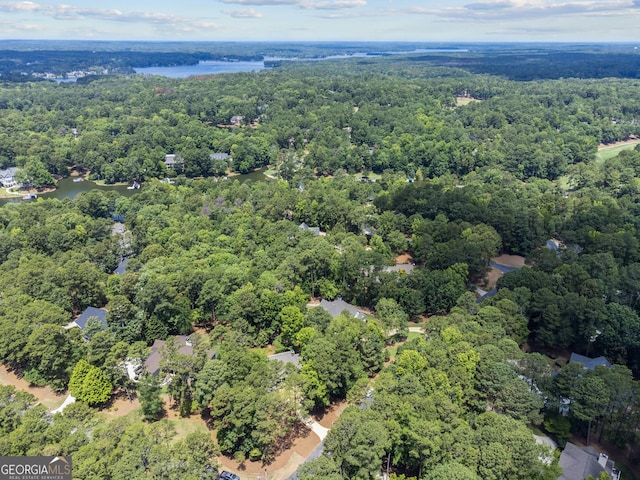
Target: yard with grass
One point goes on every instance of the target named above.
(393, 349)
(607, 152)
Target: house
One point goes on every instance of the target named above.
(315, 230)
(287, 357)
(185, 347)
(405, 268)
(220, 156)
(589, 363)
(84, 317)
(7, 177)
(579, 462)
(336, 307)
(122, 267)
(171, 160)
(236, 119)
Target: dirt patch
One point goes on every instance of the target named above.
(404, 258)
(47, 397)
(492, 278)
(282, 466)
(331, 414)
(509, 260)
(120, 405)
(630, 141)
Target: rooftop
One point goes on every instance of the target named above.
(84, 317)
(122, 267)
(589, 363)
(579, 462)
(152, 363)
(287, 357)
(404, 267)
(336, 307)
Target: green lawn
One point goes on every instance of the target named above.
(394, 348)
(611, 151)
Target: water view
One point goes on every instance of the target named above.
(211, 67)
(67, 188)
(202, 68)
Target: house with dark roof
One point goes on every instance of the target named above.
(315, 230)
(579, 462)
(589, 363)
(336, 307)
(122, 267)
(287, 357)
(83, 319)
(185, 347)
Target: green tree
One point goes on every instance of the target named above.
(152, 405)
(357, 443)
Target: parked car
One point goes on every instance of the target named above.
(228, 476)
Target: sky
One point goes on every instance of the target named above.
(325, 20)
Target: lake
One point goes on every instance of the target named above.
(67, 188)
(210, 67)
(202, 68)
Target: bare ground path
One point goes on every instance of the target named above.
(47, 397)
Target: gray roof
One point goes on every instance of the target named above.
(122, 267)
(590, 363)
(338, 306)
(405, 267)
(84, 317)
(171, 159)
(152, 363)
(287, 357)
(7, 176)
(579, 462)
(315, 230)
(219, 156)
(8, 172)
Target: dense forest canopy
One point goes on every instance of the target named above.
(385, 157)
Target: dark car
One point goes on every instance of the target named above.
(228, 476)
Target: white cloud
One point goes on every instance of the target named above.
(70, 12)
(492, 10)
(243, 13)
(306, 4)
(265, 3)
(334, 4)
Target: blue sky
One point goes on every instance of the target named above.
(281, 20)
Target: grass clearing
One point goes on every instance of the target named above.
(462, 101)
(393, 349)
(607, 152)
(185, 426)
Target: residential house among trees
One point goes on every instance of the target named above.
(315, 230)
(185, 347)
(91, 312)
(287, 357)
(7, 177)
(579, 463)
(171, 160)
(336, 307)
(589, 363)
